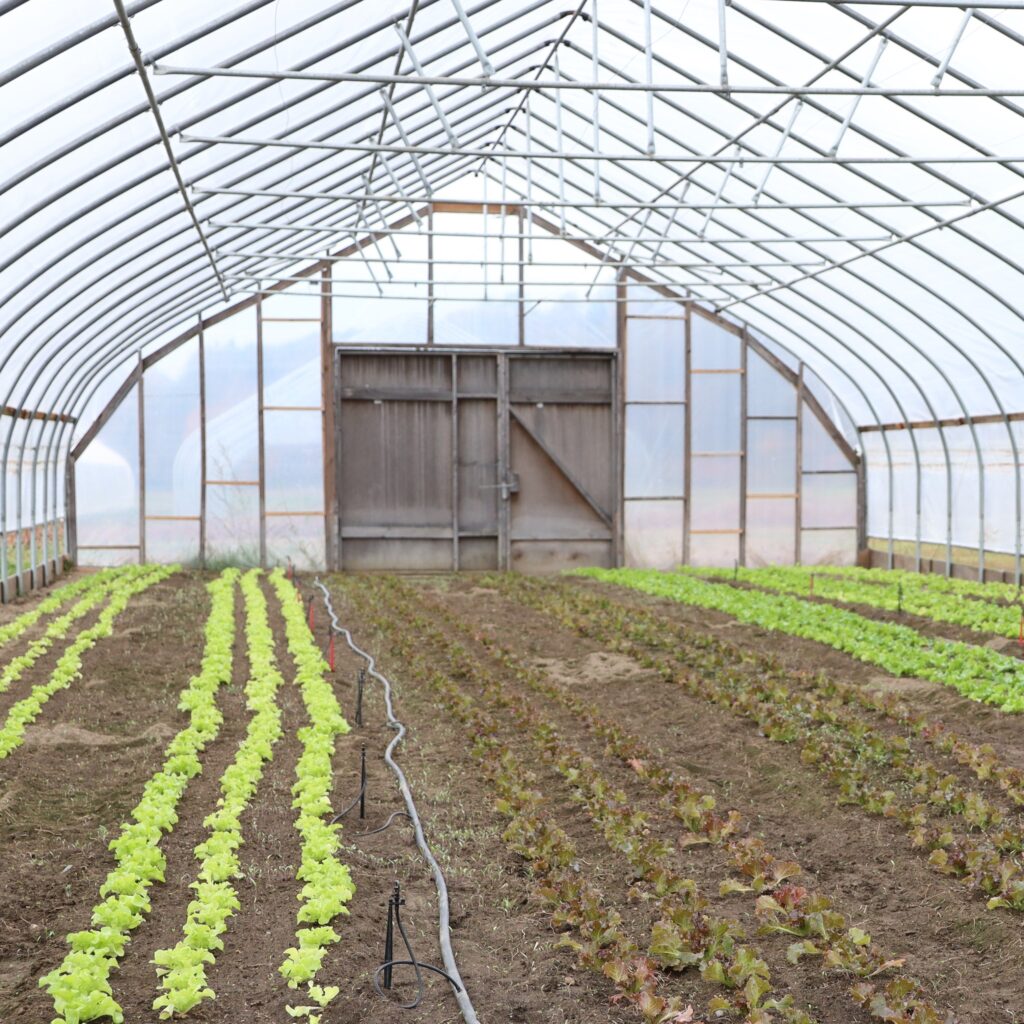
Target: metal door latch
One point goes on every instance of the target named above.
(508, 486)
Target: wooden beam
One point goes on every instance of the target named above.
(603, 514)
(327, 407)
(36, 414)
(261, 448)
(108, 410)
(619, 418)
(799, 506)
(744, 382)
(956, 421)
(70, 510)
(141, 393)
(202, 448)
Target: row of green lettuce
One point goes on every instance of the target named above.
(92, 584)
(892, 595)
(976, 672)
(117, 591)
(327, 883)
(81, 986)
(182, 968)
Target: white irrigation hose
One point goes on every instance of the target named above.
(444, 929)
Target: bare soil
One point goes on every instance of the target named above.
(968, 959)
(65, 792)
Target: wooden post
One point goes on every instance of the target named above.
(70, 510)
(327, 400)
(455, 461)
(798, 519)
(338, 455)
(504, 543)
(262, 480)
(619, 418)
(430, 276)
(743, 449)
(202, 449)
(862, 508)
(142, 462)
(521, 270)
(687, 445)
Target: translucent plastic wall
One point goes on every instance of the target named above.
(232, 450)
(495, 280)
(173, 474)
(730, 453)
(729, 458)
(107, 490)
(33, 495)
(923, 499)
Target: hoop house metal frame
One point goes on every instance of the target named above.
(873, 234)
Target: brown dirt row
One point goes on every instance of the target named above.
(968, 958)
(105, 738)
(81, 770)
(135, 982)
(980, 723)
(751, 660)
(503, 941)
(825, 998)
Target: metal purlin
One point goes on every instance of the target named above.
(973, 240)
(932, 362)
(958, 270)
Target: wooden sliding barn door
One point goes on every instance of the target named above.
(474, 460)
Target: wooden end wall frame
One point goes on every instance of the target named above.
(330, 387)
(476, 458)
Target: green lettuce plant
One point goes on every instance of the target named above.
(80, 985)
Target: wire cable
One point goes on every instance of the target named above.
(387, 824)
(411, 962)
